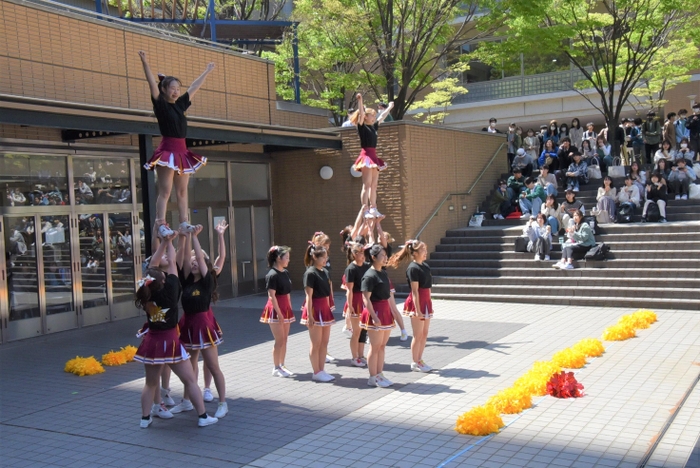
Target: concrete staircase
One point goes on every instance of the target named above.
(650, 264)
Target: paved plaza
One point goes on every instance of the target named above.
(641, 408)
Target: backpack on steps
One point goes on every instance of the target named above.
(625, 214)
(598, 252)
(653, 213)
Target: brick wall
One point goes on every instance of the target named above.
(425, 163)
(50, 55)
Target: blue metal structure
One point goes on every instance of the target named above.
(212, 23)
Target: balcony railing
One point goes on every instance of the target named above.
(517, 86)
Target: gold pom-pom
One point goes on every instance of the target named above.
(84, 366)
(535, 380)
(511, 400)
(569, 358)
(129, 352)
(479, 421)
(590, 347)
(619, 332)
(113, 358)
(634, 321)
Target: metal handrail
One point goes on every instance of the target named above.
(469, 192)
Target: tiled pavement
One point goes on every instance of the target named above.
(49, 418)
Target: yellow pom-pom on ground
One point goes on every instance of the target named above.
(590, 347)
(129, 352)
(84, 366)
(619, 332)
(511, 400)
(634, 321)
(569, 358)
(479, 421)
(647, 315)
(113, 358)
(535, 380)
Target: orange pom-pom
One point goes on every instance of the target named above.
(535, 380)
(113, 359)
(619, 332)
(479, 421)
(84, 366)
(129, 352)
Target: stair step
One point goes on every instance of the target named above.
(526, 279)
(614, 254)
(545, 270)
(655, 303)
(531, 264)
(507, 245)
(582, 291)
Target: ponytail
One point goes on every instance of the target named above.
(351, 248)
(275, 252)
(407, 250)
(313, 252)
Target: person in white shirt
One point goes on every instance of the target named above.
(629, 194)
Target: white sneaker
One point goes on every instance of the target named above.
(329, 377)
(559, 264)
(372, 382)
(222, 410)
(165, 396)
(321, 376)
(347, 331)
(525, 216)
(546, 257)
(358, 362)
(500, 216)
(420, 367)
(678, 197)
(684, 197)
(164, 231)
(161, 411)
(404, 335)
(207, 396)
(279, 372)
(568, 266)
(369, 215)
(426, 368)
(186, 227)
(146, 422)
(575, 189)
(208, 421)
(363, 359)
(375, 212)
(184, 405)
(537, 257)
(381, 374)
(289, 373)
(496, 216)
(119, 260)
(329, 358)
(381, 382)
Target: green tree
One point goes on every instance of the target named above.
(618, 45)
(432, 109)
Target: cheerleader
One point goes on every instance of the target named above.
(418, 306)
(172, 154)
(320, 239)
(376, 316)
(278, 310)
(158, 295)
(199, 330)
(385, 239)
(367, 123)
(356, 269)
(316, 312)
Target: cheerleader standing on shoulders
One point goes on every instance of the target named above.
(376, 316)
(316, 312)
(172, 155)
(367, 123)
(158, 295)
(419, 305)
(356, 269)
(278, 310)
(199, 330)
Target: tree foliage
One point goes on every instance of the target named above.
(618, 45)
(393, 49)
(432, 109)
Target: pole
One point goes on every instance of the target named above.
(148, 191)
(295, 49)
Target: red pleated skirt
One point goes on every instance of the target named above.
(383, 311)
(357, 305)
(270, 316)
(426, 305)
(161, 347)
(368, 158)
(323, 316)
(173, 153)
(200, 331)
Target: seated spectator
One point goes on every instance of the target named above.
(16, 197)
(523, 162)
(501, 204)
(549, 156)
(516, 184)
(123, 194)
(564, 152)
(539, 234)
(629, 195)
(92, 264)
(551, 213)
(684, 152)
(547, 181)
(552, 133)
(531, 199)
(603, 153)
(665, 152)
(590, 135)
(569, 207)
(656, 193)
(639, 177)
(106, 195)
(581, 240)
(587, 152)
(577, 173)
(85, 192)
(680, 179)
(663, 168)
(607, 194)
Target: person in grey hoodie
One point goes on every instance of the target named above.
(547, 181)
(522, 161)
(540, 235)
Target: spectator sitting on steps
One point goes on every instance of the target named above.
(564, 153)
(516, 184)
(577, 173)
(666, 152)
(500, 204)
(581, 240)
(656, 193)
(684, 152)
(569, 207)
(551, 213)
(531, 199)
(540, 235)
(547, 181)
(629, 195)
(522, 161)
(607, 194)
(680, 179)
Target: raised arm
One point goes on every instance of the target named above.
(360, 110)
(198, 252)
(221, 259)
(196, 84)
(386, 112)
(186, 263)
(182, 248)
(158, 255)
(152, 83)
(359, 222)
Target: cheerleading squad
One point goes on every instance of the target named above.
(187, 277)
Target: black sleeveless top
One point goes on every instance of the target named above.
(368, 135)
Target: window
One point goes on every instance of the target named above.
(101, 181)
(249, 181)
(33, 180)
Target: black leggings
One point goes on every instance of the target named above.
(576, 251)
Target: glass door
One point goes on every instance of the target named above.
(121, 265)
(57, 267)
(93, 268)
(244, 250)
